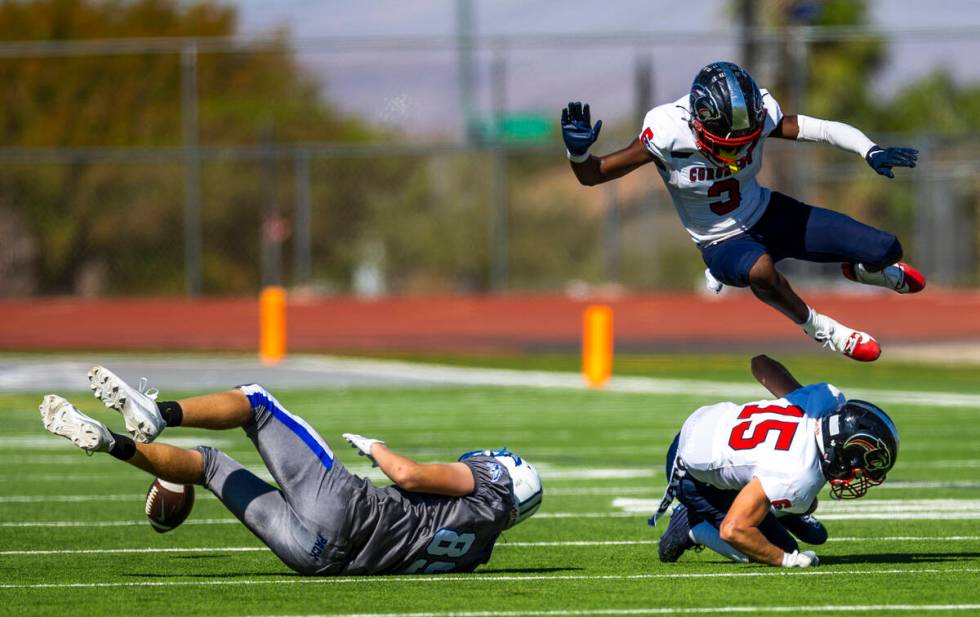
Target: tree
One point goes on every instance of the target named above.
(124, 218)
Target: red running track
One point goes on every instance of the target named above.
(512, 323)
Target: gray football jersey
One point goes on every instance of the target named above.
(393, 531)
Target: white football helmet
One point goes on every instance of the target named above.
(527, 483)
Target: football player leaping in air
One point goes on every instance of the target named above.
(321, 520)
(707, 147)
(747, 474)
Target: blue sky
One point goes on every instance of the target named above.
(416, 90)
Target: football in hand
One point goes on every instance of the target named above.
(168, 504)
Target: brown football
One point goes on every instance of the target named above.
(168, 504)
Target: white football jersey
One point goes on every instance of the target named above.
(726, 445)
(714, 202)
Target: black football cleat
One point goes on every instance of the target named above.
(677, 538)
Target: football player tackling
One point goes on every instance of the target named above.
(747, 474)
(707, 147)
(321, 520)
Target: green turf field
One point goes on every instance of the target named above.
(911, 547)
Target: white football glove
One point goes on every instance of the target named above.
(796, 559)
(362, 445)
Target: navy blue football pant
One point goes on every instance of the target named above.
(707, 503)
(791, 228)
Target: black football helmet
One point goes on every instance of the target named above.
(727, 112)
(859, 445)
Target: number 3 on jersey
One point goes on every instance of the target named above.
(740, 440)
(733, 196)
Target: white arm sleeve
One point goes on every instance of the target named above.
(844, 136)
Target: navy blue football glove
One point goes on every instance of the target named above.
(577, 129)
(883, 159)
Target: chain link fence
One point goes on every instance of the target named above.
(382, 210)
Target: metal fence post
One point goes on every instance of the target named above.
(302, 254)
(924, 214)
(192, 170)
(612, 236)
(273, 227)
(498, 223)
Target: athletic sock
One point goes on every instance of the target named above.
(706, 534)
(810, 326)
(124, 448)
(171, 411)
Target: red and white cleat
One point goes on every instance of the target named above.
(858, 345)
(899, 277)
(837, 337)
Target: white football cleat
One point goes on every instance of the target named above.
(899, 277)
(137, 405)
(62, 418)
(837, 337)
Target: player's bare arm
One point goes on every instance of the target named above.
(788, 128)
(598, 169)
(774, 376)
(452, 479)
(579, 135)
(846, 137)
(741, 529)
(741, 526)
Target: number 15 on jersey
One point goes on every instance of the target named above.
(760, 420)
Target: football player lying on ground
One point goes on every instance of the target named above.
(707, 147)
(322, 520)
(745, 474)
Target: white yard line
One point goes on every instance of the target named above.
(700, 610)
(903, 485)
(902, 516)
(562, 515)
(969, 463)
(604, 490)
(47, 374)
(569, 491)
(929, 509)
(549, 472)
(47, 442)
(151, 550)
(631, 507)
(201, 493)
(500, 545)
(914, 515)
(67, 498)
(476, 578)
(644, 385)
(126, 523)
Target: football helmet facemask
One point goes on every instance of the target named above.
(527, 483)
(727, 112)
(858, 445)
